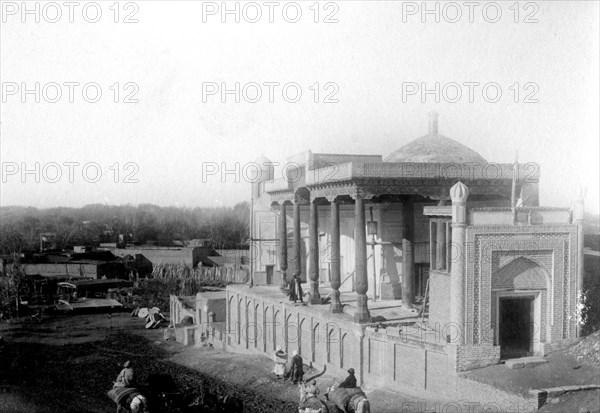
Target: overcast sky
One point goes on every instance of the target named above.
(366, 60)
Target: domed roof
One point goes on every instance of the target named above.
(434, 148)
(263, 161)
(265, 169)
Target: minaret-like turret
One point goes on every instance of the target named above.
(459, 194)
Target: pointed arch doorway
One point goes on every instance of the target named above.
(519, 297)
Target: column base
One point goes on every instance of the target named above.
(336, 305)
(315, 297)
(362, 314)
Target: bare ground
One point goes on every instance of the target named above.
(67, 364)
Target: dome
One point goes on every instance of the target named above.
(434, 148)
(261, 169)
(263, 160)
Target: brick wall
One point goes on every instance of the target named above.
(473, 357)
(552, 247)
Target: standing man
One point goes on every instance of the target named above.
(292, 290)
(297, 369)
(295, 290)
(299, 289)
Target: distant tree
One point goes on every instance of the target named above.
(20, 227)
(12, 287)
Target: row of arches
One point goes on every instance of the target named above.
(258, 326)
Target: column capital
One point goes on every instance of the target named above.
(301, 196)
(361, 193)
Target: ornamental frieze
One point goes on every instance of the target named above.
(369, 188)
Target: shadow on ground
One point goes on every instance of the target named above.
(40, 373)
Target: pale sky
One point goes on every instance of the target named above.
(368, 56)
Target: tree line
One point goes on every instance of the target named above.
(21, 227)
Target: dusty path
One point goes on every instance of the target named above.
(254, 372)
(66, 364)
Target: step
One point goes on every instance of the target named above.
(522, 362)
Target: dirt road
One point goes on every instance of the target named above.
(67, 364)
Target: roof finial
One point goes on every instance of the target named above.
(459, 193)
(433, 122)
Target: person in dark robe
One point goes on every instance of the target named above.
(295, 290)
(292, 290)
(296, 368)
(350, 381)
(298, 287)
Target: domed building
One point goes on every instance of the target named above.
(435, 148)
(370, 240)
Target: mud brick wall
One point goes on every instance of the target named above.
(399, 362)
(388, 358)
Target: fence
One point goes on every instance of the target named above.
(202, 275)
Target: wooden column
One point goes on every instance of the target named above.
(313, 253)
(440, 245)
(408, 256)
(297, 241)
(448, 246)
(336, 276)
(283, 249)
(362, 314)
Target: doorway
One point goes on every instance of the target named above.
(269, 274)
(515, 329)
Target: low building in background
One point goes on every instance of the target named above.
(72, 264)
(190, 256)
(199, 319)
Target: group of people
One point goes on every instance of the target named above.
(295, 371)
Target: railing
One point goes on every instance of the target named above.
(227, 275)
